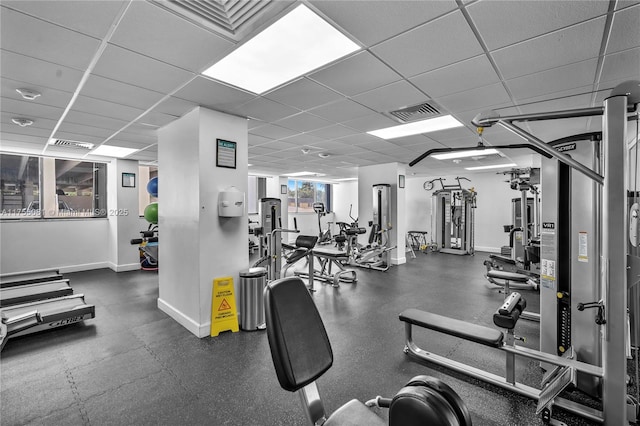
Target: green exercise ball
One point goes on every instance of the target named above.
(151, 213)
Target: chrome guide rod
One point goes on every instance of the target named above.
(564, 158)
(571, 113)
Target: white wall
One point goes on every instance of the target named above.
(492, 212)
(344, 195)
(123, 216)
(65, 244)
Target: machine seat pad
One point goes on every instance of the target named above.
(354, 413)
(511, 276)
(330, 253)
(503, 259)
(454, 327)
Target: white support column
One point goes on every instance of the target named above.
(122, 213)
(196, 245)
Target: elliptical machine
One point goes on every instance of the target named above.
(324, 237)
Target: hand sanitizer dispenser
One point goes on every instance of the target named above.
(231, 203)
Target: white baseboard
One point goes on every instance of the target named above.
(124, 268)
(82, 267)
(200, 330)
(487, 249)
(398, 261)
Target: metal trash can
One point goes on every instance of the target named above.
(252, 284)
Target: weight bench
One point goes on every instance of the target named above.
(328, 259)
(303, 245)
(505, 317)
(301, 354)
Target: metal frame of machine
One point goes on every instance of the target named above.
(619, 271)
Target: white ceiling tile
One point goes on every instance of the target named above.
(272, 131)
(433, 45)
(31, 110)
(334, 131)
(141, 129)
(356, 74)
(257, 140)
(458, 77)
(129, 67)
(554, 80)
(88, 17)
(391, 97)
(279, 145)
(449, 134)
(621, 4)
(303, 122)
(264, 109)
(476, 99)
(126, 144)
(39, 73)
(262, 150)
(527, 19)
(137, 138)
(303, 139)
(411, 140)
(359, 139)
(563, 47)
(175, 106)
(571, 102)
(41, 40)
(157, 119)
(621, 65)
(158, 33)
(48, 96)
(370, 122)
(372, 22)
(211, 94)
(303, 94)
(341, 111)
(625, 30)
(18, 140)
(91, 120)
(84, 130)
(104, 108)
(119, 93)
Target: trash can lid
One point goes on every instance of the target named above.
(253, 272)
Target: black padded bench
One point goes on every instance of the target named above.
(473, 332)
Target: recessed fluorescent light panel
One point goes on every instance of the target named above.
(112, 151)
(297, 43)
(495, 166)
(345, 179)
(463, 154)
(417, 127)
(298, 174)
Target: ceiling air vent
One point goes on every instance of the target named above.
(417, 112)
(232, 18)
(71, 144)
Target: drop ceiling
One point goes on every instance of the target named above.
(113, 72)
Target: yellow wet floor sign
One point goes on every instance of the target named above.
(224, 316)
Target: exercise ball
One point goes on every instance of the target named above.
(152, 187)
(151, 213)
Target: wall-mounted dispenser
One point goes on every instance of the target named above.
(231, 203)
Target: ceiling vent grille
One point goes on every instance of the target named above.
(71, 144)
(232, 18)
(417, 112)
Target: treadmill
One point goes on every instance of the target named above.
(27, 318)
(31, 292)
(12, 280)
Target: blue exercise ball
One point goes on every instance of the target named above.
(152, 187)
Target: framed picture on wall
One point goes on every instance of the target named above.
(401, 181)
(283, 189)
(128, 180)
